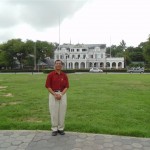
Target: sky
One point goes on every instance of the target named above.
(76, 21)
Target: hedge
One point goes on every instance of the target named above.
(64, 70)
(19, 70)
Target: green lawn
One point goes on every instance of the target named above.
(97, 103)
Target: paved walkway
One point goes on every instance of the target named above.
(42, 140)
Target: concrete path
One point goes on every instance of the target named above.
(42, 140)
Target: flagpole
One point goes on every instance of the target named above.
(59, 31)
(110, 46)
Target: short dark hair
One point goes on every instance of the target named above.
(58, 60)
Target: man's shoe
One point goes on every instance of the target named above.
(61, 132)
(54, 133)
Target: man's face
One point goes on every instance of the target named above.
(58, 65)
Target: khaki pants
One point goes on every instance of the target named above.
(57, 111)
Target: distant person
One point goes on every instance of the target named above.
(57, 84)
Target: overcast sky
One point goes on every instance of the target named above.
(81, 21)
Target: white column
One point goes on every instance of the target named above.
(116, 65)
(122, 64)
(73, 65)
(85, 64)
(110, 64)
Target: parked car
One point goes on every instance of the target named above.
(95, 70)
(136, 70)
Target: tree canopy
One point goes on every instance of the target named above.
(16, 51)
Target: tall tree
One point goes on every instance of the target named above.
(3, 60)
(123, 45)
(29, 50)
(146, 48)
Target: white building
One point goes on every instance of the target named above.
(85, 56)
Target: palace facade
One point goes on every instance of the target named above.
(86, 56)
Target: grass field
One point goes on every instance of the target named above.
(97, 103)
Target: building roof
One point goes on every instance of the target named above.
(89, 46)
(40, 63)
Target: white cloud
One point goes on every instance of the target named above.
(83, 21)
(38, 13)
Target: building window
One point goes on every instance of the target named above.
(91, 56)
(101, 64)
(120, 65)
(91, 65)
(68, 49)
(84, 50)
(95, 64)
(67, 56)
(61, 56)
(73, 56)
(107, 64)
(113, 65)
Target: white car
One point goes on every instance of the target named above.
(136, 70)
(95, 70)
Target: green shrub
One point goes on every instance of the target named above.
(19, 70)
(81, 70)
(66, 71)
(115, 70)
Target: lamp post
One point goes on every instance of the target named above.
(35, 56)
(125, 59)
(106, 67)
(106, 62)
(20, 56)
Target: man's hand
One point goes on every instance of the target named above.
(57, 96)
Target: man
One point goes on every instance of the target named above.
(57, 85)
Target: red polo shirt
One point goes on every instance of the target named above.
(57, 81)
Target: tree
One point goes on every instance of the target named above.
(28, 48)
(115, 51)
(111, 51)
(23, 52)
(138, 54)
(146, 49)
(8, 53)
(3, 60)
(123, 45)
(44, 49)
